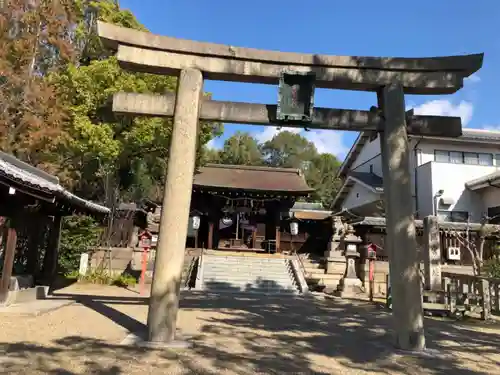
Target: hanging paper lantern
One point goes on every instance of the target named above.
(294, 228)
(196, 222)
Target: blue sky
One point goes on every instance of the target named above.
(363, 27)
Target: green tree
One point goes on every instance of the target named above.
(321, 175)
(211, 155)
(291, 150)
(288, 150)
(77, 235)
(241, 149)
(108, 155)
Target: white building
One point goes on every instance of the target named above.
(459, 178)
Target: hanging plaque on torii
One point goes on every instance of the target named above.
(295, 97)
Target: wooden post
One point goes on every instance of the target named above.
(496, 288)
(485, 299)
(371, 277)
(452, 296)
(210, 241)
(8, 264)
(278, 239)
(51, 258)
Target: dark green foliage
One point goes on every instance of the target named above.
(78, 234)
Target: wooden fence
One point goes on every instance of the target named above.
(460, 294)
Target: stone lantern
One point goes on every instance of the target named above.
(350, 285)
(334, 259)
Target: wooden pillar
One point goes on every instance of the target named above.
(406, 291)
(210, 240)
(50, 260)
(36, 226)
(278, 239)
(362, 249)
(8, 263)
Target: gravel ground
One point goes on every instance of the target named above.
(236, 335)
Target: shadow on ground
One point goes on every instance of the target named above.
(250, 333)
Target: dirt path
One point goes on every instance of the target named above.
(235, 335)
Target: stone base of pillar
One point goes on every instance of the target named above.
(334, 263)
(139, 339)
(350, 287)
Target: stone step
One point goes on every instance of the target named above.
(249, 280)
(30, 294)
(283, 292)
(241, 269)
(235, 258)
(211, 284)
(248, 274)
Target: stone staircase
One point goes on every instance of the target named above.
(250, 274)
(316, 276)
(189, 270)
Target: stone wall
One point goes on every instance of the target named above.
(117, 260)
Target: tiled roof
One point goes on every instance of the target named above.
(22, 173)
(311, 214)
(308, 206)
(478, 183)
(370, 179)
(251, 178)
(380, 222)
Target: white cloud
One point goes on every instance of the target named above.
(474, 78)
(211, 144)
(491, 127)
(444, 107)
(330, 141)
(270, 131)
(326, 141)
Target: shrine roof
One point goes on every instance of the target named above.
(30, 180)
(251, 178)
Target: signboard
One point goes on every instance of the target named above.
(84, 264)
(296, 97)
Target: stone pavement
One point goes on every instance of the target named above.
(235, 335)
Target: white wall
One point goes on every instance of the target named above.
(424, 190)
(490, 197)
(369, 155)
(358, 196)
(451, 178)
(432, 177)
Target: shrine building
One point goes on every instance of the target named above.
(251, 208)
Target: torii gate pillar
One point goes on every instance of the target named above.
(401, 244)
(165, 289)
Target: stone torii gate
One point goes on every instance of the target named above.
(390, 78)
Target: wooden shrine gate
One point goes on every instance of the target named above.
(390, 78)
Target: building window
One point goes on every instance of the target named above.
(453, 216)
(456, 157)
(497, 160)
(485, 159)
(442, 156)
(469, 158)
